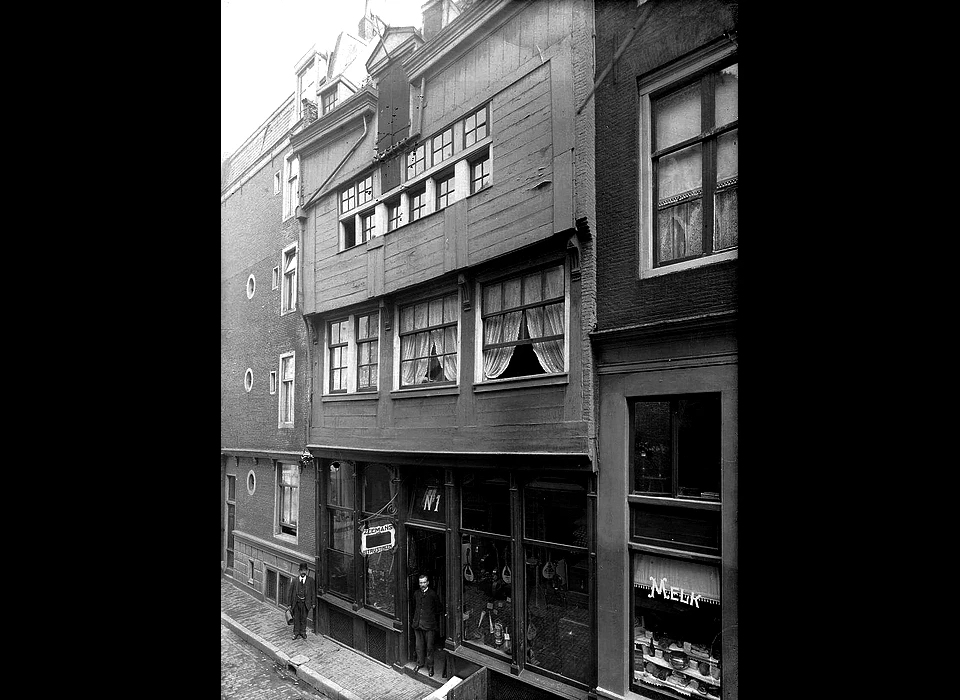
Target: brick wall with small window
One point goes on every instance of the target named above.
(258, 515)
(254, 330)
(667, 44)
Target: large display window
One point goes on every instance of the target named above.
(379, 509)
(676, 626)
(341, 529)
(556, 578)
(485, 549)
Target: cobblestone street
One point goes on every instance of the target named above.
(246, 673)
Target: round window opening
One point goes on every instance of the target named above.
(248, 379)
(251, 286)
(251, 482)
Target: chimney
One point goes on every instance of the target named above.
(309, 111)
(432, 18)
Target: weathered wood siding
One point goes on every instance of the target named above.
(497, 59)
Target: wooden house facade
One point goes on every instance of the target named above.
(449, 289)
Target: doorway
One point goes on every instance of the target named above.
(426, 555)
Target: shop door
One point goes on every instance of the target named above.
(426, 555)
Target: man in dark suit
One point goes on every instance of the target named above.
(426, 622)
(302, 597)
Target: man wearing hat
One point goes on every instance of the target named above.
(302, 597)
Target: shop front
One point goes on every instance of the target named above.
(668, 522)
(508, 550)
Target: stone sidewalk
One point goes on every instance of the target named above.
(338, 671)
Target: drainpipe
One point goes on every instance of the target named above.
(340, 165)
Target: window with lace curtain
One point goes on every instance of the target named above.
(429, 346)
(689, 177)
(524, 325)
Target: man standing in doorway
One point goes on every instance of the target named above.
(302, 598)
(426, 623)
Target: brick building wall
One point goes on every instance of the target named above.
(671, 30)
(253, 333)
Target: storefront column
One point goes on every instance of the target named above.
(454, 621)
(519, 570)
(612, 591)
(402, 625)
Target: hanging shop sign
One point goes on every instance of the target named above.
(380, 538)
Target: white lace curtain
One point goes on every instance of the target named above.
(441, 342)
(541, 321)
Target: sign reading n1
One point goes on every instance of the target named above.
(379, 538)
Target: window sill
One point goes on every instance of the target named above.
(522, 382)
(377, 618)
(689, 264)
(356, 396)
(289, 539)
(675, 502)
(285, 426)
(287, 312)
(414, 393)
(671, 551)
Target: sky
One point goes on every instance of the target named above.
(261, 42)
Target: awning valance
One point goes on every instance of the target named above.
(663, 574)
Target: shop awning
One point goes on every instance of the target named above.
(692, 577)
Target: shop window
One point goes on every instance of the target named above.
(676, 625)
(341, 542)
(379, 581)
(676, 447)
(523, 325)
(487, 593)
(288, 499)
(485, 502)
(555, 511)
(428, 342)
(556, 578)
(429, 497)
(379, 508)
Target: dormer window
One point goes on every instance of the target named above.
(329, 99)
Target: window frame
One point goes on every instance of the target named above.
(398, 384)
(418, 193)
(350, 355)
(394, 214)
(277, 182)
(329, 99)
(288, 279)
(291, 186)
(445, 143)
(480, 316)
(486, 179)
(673, 400)
(329, 540)
(447, 179)
(416, 161)
(367, 340)
(344, 346)
(368, 226)
(282, 488)
(664, 81)
(472, 133)
(287, 391)
(273, 382)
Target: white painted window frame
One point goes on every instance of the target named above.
(287, 304)
(695, 63)
(281, 394)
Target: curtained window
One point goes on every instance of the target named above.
(428, 342)
(523, 325)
